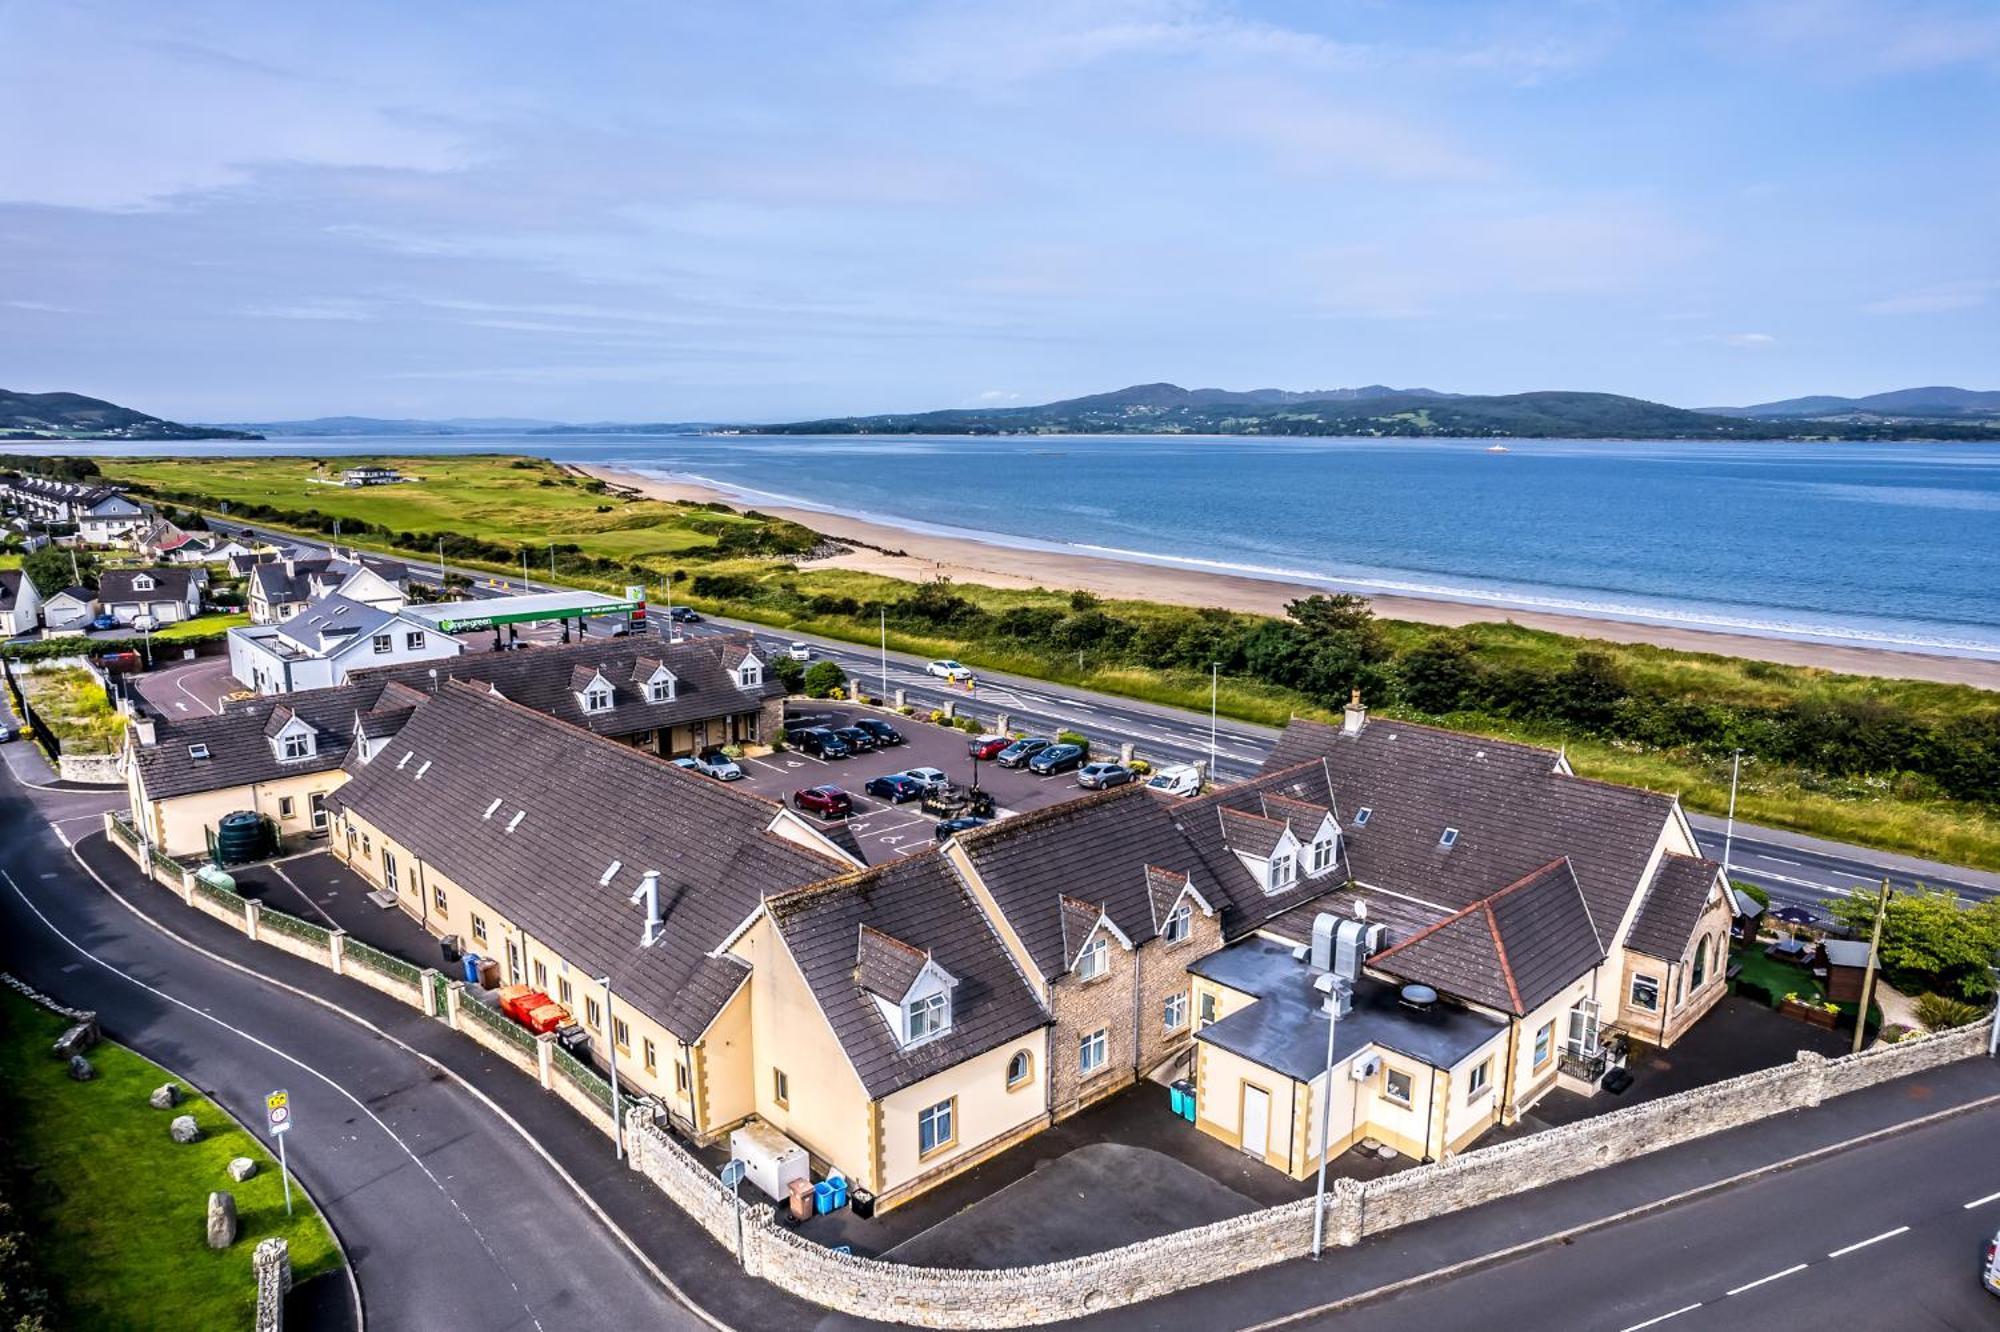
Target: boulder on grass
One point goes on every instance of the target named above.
(242, 1168)
(221, 1219)
(165, 1097)
(184, 1129)
(80, 1069)
(75, 1040)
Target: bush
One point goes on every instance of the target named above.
(791, 674)
(1072, 738)
(823, 678)
(937, 717)
(967, 724)
(1753, 892)
(1141, 767)
(1894, 1032)
(1938, 1012)
(1753, 991)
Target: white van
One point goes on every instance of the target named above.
(1183, 779)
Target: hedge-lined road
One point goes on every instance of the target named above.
(1796, 871)
(450, 1218)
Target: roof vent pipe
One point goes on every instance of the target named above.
(648, 892)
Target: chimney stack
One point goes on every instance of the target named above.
(1357, 716)
(143, 731)
(648, 892)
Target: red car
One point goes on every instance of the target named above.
(829, 802)
(988, 746)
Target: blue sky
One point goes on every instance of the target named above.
(767, 211)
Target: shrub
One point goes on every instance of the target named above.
(1072, 738)
(1752, 990)
(823, 678)
(1141, 767)
(966, 724)
(1894, 1032)
(937, 717)
(1938, 1012)
(906, 711)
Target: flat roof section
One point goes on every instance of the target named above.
(454, 616)
(1285, 1029)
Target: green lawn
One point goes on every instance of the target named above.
(201, 626)
(118, 1207)
(1780, 978)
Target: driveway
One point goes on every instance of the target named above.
(194, 689)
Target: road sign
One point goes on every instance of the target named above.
(278, 1110)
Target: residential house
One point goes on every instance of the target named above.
(570, 857)
(672, 698)
(102, 515)
(369, 476)
(20, 604)
(164, 595)
(327, 639)
(69, 611)
(281, 589)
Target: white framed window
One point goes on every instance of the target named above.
(749, 675)
(414, 640)
(1646, 993)
(927, 1017)
(1207, 1007)
(1019, 1069)
(1094, 960)
(593, 1015)
(439, 899)
(1545, 1041)
(1091, 1052)
(479, 932)
(1180, 923)
(542, 978)
(298, 745)
(1283, 871)
(597, 700)
(1322, 855)
(660, 691)
(650, 1056)
(1175, 1015)
(621, 1033)
(384, 644)
(937, 1127)
(1481, 1080)
(389, 870)
(1396, 1086)
(1582, 1039)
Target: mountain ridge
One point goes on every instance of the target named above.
(29, 416)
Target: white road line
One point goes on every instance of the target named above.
(1795, 1267)
(1686, 1308)
(1780, 860)
(181, 685)
(1981, 1202)
(61, 836)
(1873, 1239)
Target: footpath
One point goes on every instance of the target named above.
(1296, 1290)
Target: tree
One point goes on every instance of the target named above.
(791, 674)
(1441, 675)
(50, 570)
(1342, 645)
(1930, 941)
(823, 677)
(1589, 690)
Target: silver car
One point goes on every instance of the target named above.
(714, 763)
(1102, 776)
(931, 779)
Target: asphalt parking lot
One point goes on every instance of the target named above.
(885, 830)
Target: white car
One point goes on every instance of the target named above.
(800, 652)
(947, 669)
(930, 778)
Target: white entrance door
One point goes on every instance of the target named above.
(1256, 1121)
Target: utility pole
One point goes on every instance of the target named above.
(1729, 828)
(1214, 683)
(524, 568)
(611, 1044)
(440, 566)
(1868, 977)
(1334, 998)
(883, 613)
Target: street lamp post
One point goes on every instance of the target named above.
(1214, 683)
(1336, 993)
(1729, 828)
(611, 1044)
(883, 613)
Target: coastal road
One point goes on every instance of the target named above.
(1885, 1236)
(1796, 871)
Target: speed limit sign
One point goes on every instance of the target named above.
(278, 1111)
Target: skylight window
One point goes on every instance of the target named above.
(197, 751)
(490, 808)
(1362, 815)
(1450, 837)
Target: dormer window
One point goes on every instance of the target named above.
(597, 698)
(1323, 850)
(926, 1017)
(1283, 872)
(750, 674)
(1094, 960)
(294, 745)
(141, 583)
(1179, 922)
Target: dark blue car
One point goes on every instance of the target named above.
(895, 788)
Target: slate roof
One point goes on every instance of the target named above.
(885, 966)
(168, 584)
(334, 621)
(919, 901)
(239, 749)
(1164, 888)
(1513, 951)
(1514, 809)
(10, 587)
(1079, 922)
(543, 678)
(1674, 902)
(1253, 834)
(288, 581)
(586, 802)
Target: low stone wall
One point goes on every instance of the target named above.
(1854, 1072)
(272, 1261)
(89, 769)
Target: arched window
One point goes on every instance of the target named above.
(1018, 1069)
(1701, 962)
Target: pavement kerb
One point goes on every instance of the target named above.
(1465, 1265)
(583, 1195)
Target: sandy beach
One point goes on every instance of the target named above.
(918, 556)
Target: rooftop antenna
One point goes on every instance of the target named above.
(434, 679)
(648, 892)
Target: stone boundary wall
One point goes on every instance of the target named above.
(89, 769)
(1073, 1288)
(579, 1100)
(35, 996)
(356, 969)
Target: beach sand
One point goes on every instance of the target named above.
(917, 557)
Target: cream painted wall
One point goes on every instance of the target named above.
(178, 825)
(984, 1109)
(1219, 1082)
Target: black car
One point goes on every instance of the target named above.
(947, 827)
(895, 788)
(885, 734)
(1056, 758)
(857, 739)
(683, 615)
(819, 742)
(1018, 753)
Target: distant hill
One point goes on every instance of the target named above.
(73, 416)
(1938, 403)
(1375, 410)
(376, 425)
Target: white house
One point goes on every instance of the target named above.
(283, 589)
(68, 611)
(101, 515)
(20, 603)
(321, 644)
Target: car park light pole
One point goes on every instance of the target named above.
(1729, 828)
(611, 1044)
(1336, 995)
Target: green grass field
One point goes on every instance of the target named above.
(201, 626)
(118, 1207)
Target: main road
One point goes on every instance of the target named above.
(1795, 870)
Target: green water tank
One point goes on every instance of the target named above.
(242, 836)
